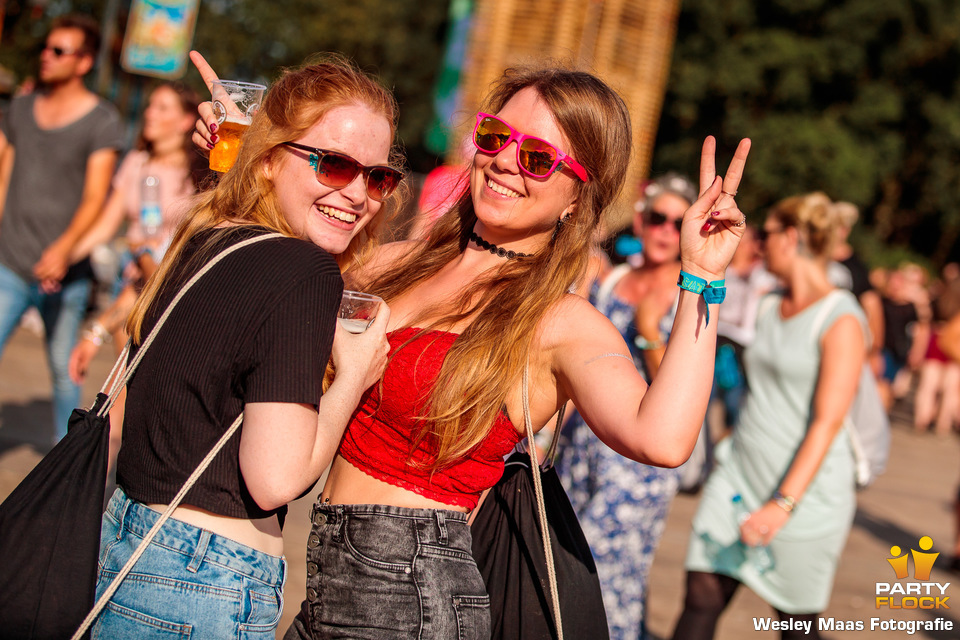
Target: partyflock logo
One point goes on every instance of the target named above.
(915, 594)
(920, 593)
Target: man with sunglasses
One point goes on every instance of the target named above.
(58, 150)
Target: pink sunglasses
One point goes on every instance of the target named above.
(535, 156)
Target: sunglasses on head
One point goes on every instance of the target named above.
(535, 157)
(337, 170)
(655, 219)
(61, 51)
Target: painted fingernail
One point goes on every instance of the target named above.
(715, 213)
(209, 146)
(214, 139)
(213, 127)
(707, 226)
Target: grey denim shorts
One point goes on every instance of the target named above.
(377, 572)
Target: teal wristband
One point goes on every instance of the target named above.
(691, 283)
(715, 292)
(712, 292)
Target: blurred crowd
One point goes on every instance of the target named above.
(784, 376)
(911, 334)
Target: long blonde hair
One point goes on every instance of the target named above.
(505, 308)
(245, 195)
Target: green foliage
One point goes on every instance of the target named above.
(858, 98)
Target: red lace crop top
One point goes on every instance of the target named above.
(378, 439)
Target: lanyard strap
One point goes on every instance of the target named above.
(115, 391)
(535, 471)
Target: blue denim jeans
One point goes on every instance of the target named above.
(378, 572)
(62, 313)
(189, 583)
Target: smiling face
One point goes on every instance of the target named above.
(329, 217)
(512, 206)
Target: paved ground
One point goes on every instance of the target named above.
(913, 499)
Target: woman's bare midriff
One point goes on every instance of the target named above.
(262, 534)
(347, 484)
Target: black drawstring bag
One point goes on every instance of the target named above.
(509, 552)
(50, 524)
(50, 534)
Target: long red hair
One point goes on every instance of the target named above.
(245, 194)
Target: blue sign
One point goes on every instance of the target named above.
(159, 36)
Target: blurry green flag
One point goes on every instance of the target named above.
(446, 92)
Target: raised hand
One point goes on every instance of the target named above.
(205, 135)
(713, 225)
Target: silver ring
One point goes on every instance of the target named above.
(727, 193)
(741, 222)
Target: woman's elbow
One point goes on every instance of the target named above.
(270, 500)
(671, 459)
(669, 456)
(273, 493)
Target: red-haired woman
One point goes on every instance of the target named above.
(253, 335)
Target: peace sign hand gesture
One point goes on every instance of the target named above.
(713, 225)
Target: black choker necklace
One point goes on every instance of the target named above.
(495, 250)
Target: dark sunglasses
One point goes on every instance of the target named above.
(535, 156)
(655, 219)
(60, 51)
(337, 170)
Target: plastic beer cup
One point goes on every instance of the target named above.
(234, 104)
(358, 310)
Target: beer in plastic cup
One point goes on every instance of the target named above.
(234, 104)
(224, 153)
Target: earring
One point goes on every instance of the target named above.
(556, 230)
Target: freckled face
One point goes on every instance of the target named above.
(328, 217)
(511, 205)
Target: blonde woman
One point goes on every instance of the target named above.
(788, 460)
(473, 308)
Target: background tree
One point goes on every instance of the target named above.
(858, 98)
